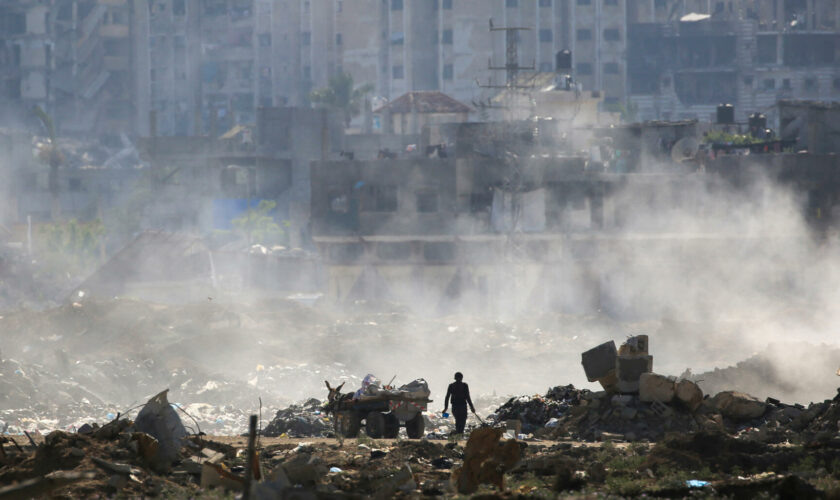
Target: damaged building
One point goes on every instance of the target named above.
(494, 227)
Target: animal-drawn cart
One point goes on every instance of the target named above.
(382, 415)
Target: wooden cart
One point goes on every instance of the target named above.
(382, 416)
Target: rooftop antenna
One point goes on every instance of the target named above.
(511, 67)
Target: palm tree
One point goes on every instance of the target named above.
(341, 95)
(49, 154)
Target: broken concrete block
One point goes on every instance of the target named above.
(599, 362)
(629, 369)
(738, 405)
(689, 394)
(661, 409)
(655, 387)
(634, 346)
(610, 382)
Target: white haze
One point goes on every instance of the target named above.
(738, 271)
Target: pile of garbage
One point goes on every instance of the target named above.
(372, 387)
(536, 412)
(302, 420)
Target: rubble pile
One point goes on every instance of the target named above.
(637, 404)
(535, 412)
(304, 420)
(151, 456)
(787, 371)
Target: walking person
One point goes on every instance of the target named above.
(460, 394)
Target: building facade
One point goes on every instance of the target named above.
(72, 58)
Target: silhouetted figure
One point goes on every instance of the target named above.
(460, 394)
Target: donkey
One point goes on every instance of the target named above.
(335, 396)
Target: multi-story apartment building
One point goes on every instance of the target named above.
(750, 53)
(199, 66)
(448, 45)
(72, 58)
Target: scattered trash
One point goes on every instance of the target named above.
(696, 483)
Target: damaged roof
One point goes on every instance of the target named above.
(425, 101)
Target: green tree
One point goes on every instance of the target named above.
(51, 155)
(258, 227)
(341, 95)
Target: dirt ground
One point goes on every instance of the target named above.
(722, 466)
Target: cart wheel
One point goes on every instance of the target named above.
(416, 426)
(347, 424)
(392, 426)
(375, 425)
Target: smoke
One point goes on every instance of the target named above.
(713, 272)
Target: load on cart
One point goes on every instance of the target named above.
(382, 409)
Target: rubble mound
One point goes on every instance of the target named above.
(536, 411)
(302, 420)
(793, 372)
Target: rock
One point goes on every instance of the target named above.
(739, 406)
(689, 394)
(485, 460)
(655, 387)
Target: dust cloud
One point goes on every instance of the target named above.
(714, 274)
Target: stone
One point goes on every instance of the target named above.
(599, 362)
(738, 405)
(655, 387)
(689, 394)
(485, 460)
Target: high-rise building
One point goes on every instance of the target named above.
(684, 62)
(72, 58)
